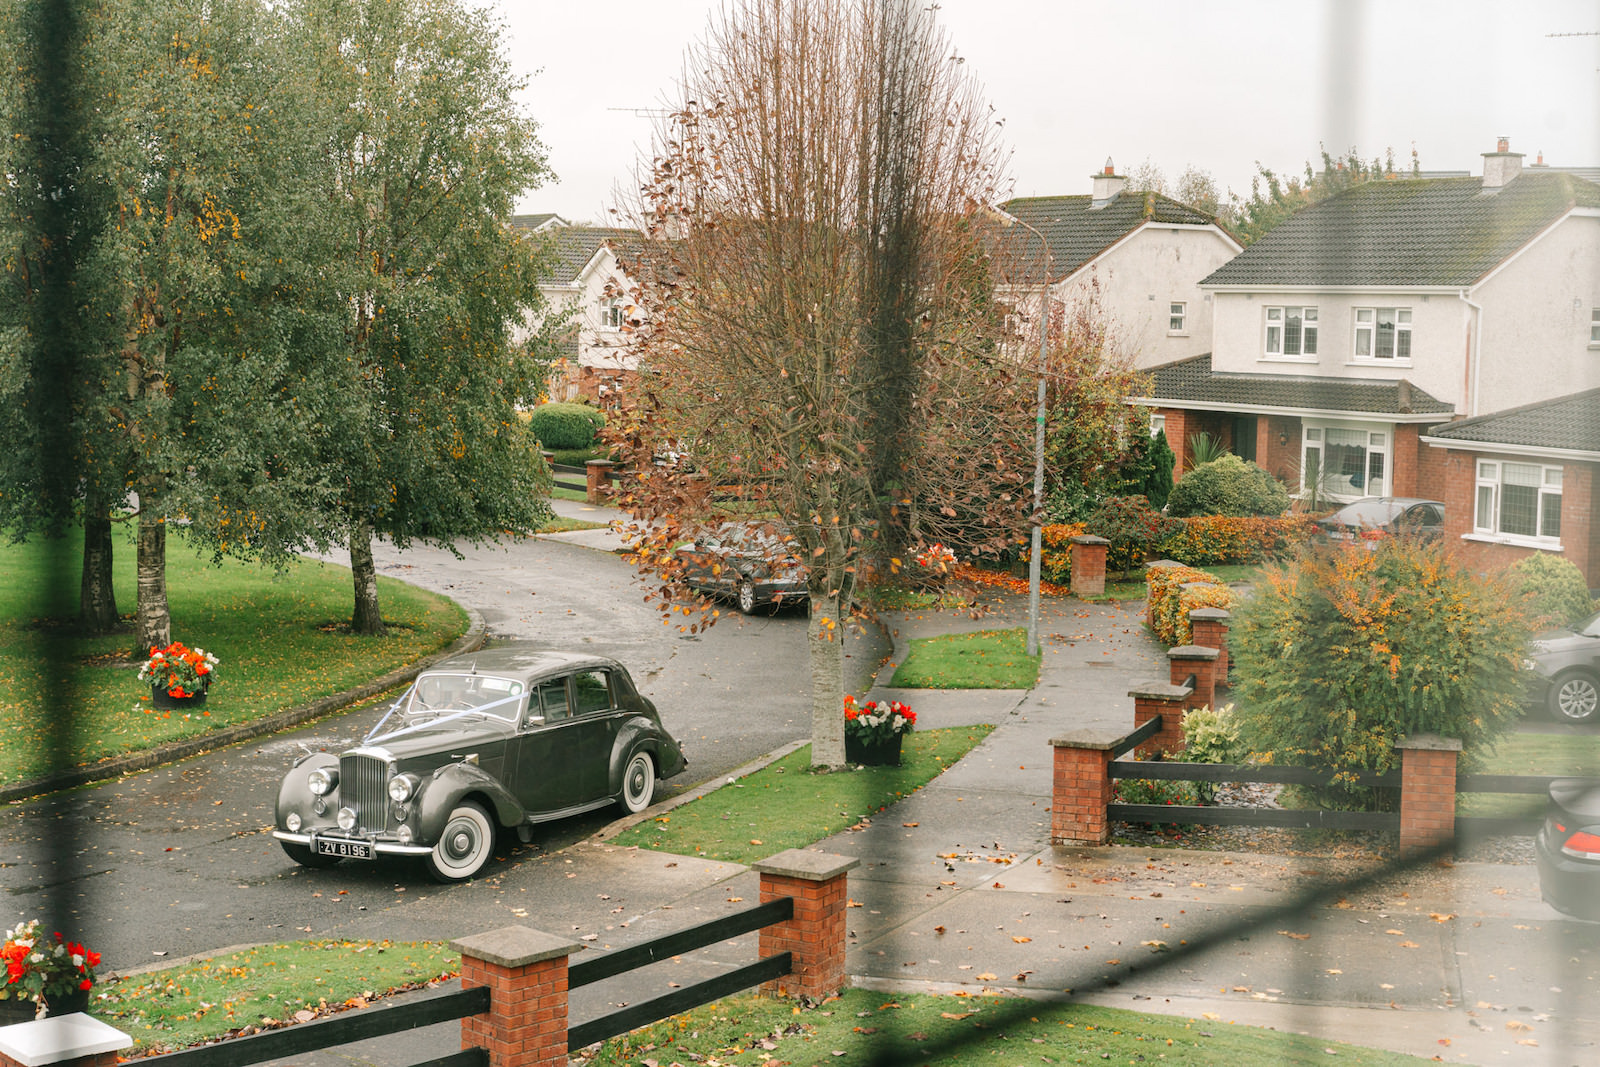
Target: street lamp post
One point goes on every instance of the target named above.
(1036, 534)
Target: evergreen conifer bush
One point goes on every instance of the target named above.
(560, 425)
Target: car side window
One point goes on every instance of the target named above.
(551, 696)
(591, 691)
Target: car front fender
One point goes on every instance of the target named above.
(440, 793)
(295, 795)
(639, 734)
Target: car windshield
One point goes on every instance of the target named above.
(435, 693)
(1368, 513)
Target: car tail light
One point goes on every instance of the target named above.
(1582, 845)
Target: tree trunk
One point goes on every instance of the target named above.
(97, 597)
(154, 619)
(366, 619)
(825, 645)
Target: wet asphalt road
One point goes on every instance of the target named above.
(180, 860)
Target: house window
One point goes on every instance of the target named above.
(1343, 461)
(1594, 328)
(1291, 331)
(1383, 333)
(1177, 316)
(1519, 499)
(611, 314)
(1158, 424)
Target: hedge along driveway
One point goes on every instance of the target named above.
(280, 638)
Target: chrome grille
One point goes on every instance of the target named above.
(364, 787)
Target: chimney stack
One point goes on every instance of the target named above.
(1501, 167)
(1107, 184)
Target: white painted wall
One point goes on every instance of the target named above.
(1140, 277)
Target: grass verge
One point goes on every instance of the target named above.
(263, 987)
(863, 1026)
(987, 659)
(560, 525)
(785, 806)
(1523, 753)
(281, 639)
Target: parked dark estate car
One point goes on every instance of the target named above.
(1568, 849)
(1566, 671)
(753, 563)
(500, 738)
(1397, 515)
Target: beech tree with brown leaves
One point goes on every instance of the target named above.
(816, 323)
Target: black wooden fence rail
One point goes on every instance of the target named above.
(433, 1008)
(575, 479)
(1467, 826)
(343, 1029)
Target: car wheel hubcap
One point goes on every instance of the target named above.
(1578, 700)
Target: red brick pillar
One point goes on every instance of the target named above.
(598, 484)
(1089, 565)
(71, 1040)
(1185, 660)
(816, 935)
(1209, 629)
(1427, 791)
(1081, 787)
(526, 972)
(1168, 701)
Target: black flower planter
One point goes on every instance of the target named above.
(14, 1011)
(873, 753)
(160, 698)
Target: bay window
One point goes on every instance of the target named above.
(1291, 331)
(1343, 460)
(1518, 499)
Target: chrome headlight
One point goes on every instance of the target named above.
(402, 787)
(322, 780)
(292, 822)
(346, 819)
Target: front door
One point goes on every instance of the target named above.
(1244, 437)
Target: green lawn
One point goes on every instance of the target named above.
(785, 806)
(1522, 753)
(280, 638)
(987, 659)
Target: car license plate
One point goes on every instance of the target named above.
(350, 850)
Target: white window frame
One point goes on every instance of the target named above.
(1489, 493)
(1369, 339)
(1275, 332)
(1376, 473)
(1178, 318)
(1158, 423)
(611, 313)
(1594, 327)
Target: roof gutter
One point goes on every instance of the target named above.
(1496, 448)
(1433, 418)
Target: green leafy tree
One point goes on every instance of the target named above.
(1274, 198)
(1345, 652)
(425, 155)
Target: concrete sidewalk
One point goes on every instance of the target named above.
(960, 889)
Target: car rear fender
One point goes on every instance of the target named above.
(449, 785)
(640, 734)
(295, 795)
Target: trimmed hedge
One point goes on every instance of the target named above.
(1170, 602)
(1228, 486)
(560, 425)
(1211, 540)
(1055, 557)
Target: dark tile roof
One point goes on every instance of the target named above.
(1407, 231)
(576, 245)
(1077, 231)
(532, 222)
(1569, 423)
(1191, 382)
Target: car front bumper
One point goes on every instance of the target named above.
(379, 846)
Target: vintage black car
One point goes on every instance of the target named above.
(751, 563)
(502, 738)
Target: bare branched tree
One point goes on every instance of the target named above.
(816, 318)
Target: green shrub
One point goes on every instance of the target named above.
(1210, 737)
(1553, 590)
(1155, 791)
(1150, 473)
(561, 425)
(1228, 486)
(1132, 526)
(1209, 540)
(1346, 651)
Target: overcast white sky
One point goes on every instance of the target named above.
(1214, 83)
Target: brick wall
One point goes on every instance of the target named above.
(1278, 448)
(815, 936)
(1427, 792)
(1081, 789)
